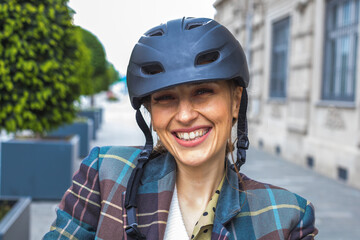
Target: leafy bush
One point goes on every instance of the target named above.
(5, 207)
(40, 55)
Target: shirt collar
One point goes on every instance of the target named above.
(207, 218)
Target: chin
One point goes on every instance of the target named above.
(196, 158)
(190, 162)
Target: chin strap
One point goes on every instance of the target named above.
(242, 132)
(134, 181)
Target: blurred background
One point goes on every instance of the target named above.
(63, 91)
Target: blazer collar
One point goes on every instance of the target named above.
(154, 195)
(231, 198)
(161, 172)
(158, 168)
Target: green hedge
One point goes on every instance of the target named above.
(40, 65)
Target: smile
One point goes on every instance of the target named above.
(191, 137)
(188, 136)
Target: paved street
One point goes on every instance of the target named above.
(337, 205)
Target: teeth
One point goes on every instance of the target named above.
(192, 135)
(186, 136)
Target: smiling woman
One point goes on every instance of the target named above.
(191, 74)
(194, 121)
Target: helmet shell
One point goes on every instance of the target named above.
(184, 51)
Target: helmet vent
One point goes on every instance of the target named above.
(156, 33)
(152, 69)
(194, 25)
(206, 58)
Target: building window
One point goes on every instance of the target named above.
(279, 58)
(341, 40)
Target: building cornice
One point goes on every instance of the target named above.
(218, 2)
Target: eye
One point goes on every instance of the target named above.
(202, 91)
(163, 98)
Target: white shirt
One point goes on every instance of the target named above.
(175, 228)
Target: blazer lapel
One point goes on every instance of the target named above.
(229, 205)
(154, 196)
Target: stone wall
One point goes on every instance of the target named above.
(302, 127)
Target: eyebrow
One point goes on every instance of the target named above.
(200, 83)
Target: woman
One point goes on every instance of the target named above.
(191, 75)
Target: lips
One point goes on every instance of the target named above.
(191, 137)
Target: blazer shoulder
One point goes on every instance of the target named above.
(269, 192)
(117, 162)
(287, 207)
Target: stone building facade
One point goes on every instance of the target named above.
(304, 93)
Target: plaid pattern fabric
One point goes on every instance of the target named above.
(93, 207)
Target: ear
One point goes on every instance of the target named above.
(236, 101)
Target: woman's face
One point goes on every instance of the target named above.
(194, 121)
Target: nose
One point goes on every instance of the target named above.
(186, 113)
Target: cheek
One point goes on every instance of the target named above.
(159, 118)
(219, 111)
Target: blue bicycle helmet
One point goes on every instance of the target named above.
(182, 51)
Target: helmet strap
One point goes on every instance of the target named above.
(242, 132)
(134, 180)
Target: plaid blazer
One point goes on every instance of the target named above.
(93, 207)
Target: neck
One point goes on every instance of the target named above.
(198, 184)
(195, 187)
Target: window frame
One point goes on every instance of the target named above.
(337, 85)
(278, 85)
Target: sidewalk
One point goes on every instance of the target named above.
(337, 205)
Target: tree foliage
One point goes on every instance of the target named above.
(103, 73)
(85, 67)
(112, 75)
(39, 56)
(98, 62)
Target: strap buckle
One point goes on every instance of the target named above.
(144, 155)
(132, 229)
(243, 143)
(134, 232)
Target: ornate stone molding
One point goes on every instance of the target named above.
(297, 127)
(305, 98)
(218, 2)
(258, 25)
(302, 4)
(334, 119)
(276, 111)
(257, 47)
(256, 71)
(303, 34)
(301, 66)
